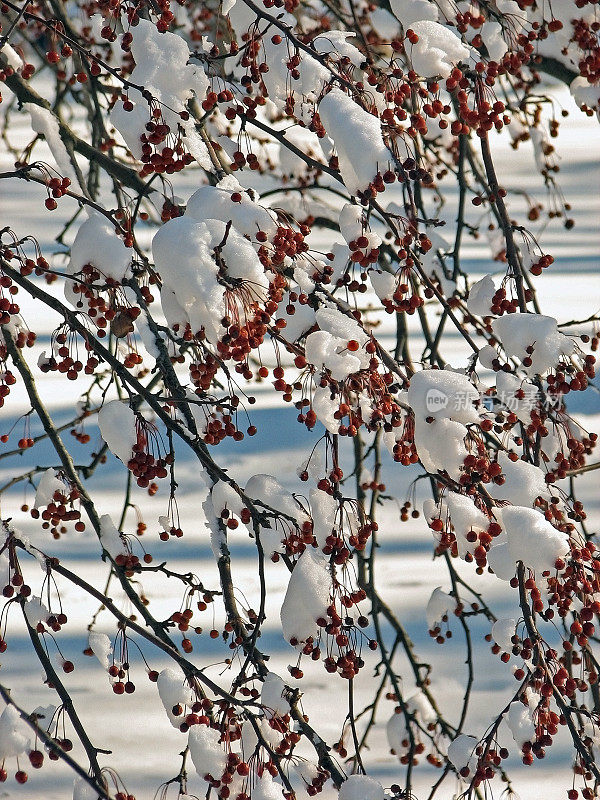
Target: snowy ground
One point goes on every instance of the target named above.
(144, 746)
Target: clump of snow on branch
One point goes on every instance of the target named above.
(361, 787)
(534, 337)
(101, 647)
(14, 734)
(206, 753)
(116, 421)
(361, 150)
(44, 122)
(96, 244)
(437, 50)
(173, 691)
(443, 403)
(440, 604)
(162, 68)
(461, 751)
(48, 485)
(307, 597)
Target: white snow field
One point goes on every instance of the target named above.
(144, 745)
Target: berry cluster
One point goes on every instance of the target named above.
(60, 510)
(147, 463)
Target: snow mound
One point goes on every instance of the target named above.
(540, 334)
(174, 691)
(206, 753)
(116, 421)
(443, 404)
(532, 539)
(438, 606)
(357, 136)
(14, 737)
(437, 51)
(502, 632)
(361, 787)
(460, 751)
(96, 243)
(307, 597)
(48, 485)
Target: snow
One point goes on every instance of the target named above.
(271, 696)
(161, 67)
(460, 751)
(206, 753)
(131, 125)
(465, 517)
(411, 11)
(218, 537)
(111, 538)
(44, 716)
(14, 734)
(35, 611)
(440, 604)
(396, 733)
(308, 143)
(312, 77)
(522, 727)
(101, 646)
(419, 706)
(298, 323)
(517, 332)
(408, 574)
(116, 421)
(443, 404)
(343, 327)
(250, 741)
(357, 136)
(224, 496)
(384, 283)
(585, 93)
(214, 202)
(12, 58)
(502, 632)
(83, 791)
(384, 24)
(96, 244)
(493, 39)
(443, 394)
(324, 509)
(193, 276)
(532, 539)
(480, 296)
(499, 559)
(325, 407)
(44, 122)
(173, 691)
(307, 597)
(507, 385)
(486, 356)
(266, 788)
(48, 485)
(335, 43)
(325, 351)
(268, 491)
(523, 483)
(438, 50)
(361, 787)
(353, 223)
